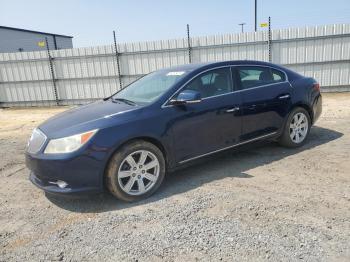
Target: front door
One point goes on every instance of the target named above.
(213, 123)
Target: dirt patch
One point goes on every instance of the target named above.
(262, 202)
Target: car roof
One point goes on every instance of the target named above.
(198, 67)
(194, 66)
(186, 67)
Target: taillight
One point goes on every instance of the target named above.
(316, 86)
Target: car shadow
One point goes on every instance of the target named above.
(231, 163)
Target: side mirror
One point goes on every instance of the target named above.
(186, 97)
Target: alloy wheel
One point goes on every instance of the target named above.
(138, 172)
(298, 127)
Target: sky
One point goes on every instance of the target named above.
(91, 22)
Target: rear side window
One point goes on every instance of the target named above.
(212, 83)
(253, 76)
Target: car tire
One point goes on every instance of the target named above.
(135, 171)
(296, 129)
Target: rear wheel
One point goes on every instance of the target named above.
(135, 171)
(296, 129)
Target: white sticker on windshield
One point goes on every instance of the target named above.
(178, 73)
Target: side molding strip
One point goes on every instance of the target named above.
(222, 149)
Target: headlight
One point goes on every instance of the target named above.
(36, 141)
(68, 144)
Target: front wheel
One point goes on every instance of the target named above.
(135, 171)
(296, 129)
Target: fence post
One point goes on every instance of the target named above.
(270, 41)
(2, 97)
(118, 62)
(189, 44)
(52, 71)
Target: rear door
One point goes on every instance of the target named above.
(266, 99)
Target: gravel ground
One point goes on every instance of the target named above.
(263, 202)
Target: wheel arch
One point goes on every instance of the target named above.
(306, 107)
(149, 139)
(302, 105)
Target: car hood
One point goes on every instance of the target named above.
(84, 118)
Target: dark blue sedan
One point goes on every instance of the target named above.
(127, 142)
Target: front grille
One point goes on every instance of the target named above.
(36, 141)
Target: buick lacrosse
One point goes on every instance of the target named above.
(127, 142)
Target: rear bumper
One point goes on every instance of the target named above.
(317, 108)
(81, 174)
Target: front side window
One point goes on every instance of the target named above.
(150, 87)
(212, 83)
(253, 76)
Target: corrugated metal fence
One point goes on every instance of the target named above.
(85, 74)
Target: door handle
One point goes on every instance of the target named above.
(284, 96)
(231, 110)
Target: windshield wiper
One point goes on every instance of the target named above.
(126, 101)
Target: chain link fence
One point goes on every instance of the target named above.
(80, 75)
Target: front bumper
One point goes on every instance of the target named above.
(54, 189)
(82, 174)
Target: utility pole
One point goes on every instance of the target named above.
(256, 18)
(242, 25)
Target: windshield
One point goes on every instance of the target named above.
(148, 88)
